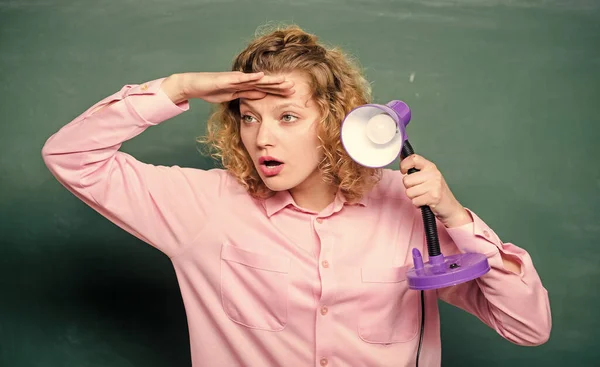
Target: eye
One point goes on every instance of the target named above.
(288, 118)
(248, 119)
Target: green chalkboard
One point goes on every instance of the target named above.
(505, 98)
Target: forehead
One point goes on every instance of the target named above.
(301, 81)
(301, 98)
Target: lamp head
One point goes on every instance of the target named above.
(373, 134)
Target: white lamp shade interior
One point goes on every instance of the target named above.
(355, 137)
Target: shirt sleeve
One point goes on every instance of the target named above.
(515, 305)
(164, 206)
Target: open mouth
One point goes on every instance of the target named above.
(270, 166)
(271, 163)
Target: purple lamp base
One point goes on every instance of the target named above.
(442, 271)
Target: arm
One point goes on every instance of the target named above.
(510, 263)
(160, 205)
(510, 298)
(166, 207)
(514, 303)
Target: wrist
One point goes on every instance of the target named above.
(174, 87)
(459, 218)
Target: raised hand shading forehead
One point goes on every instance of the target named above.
(302, 98)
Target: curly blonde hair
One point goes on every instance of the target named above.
(338, 86)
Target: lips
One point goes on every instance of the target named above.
(270, 166)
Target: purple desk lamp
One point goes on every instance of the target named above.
(374, 135)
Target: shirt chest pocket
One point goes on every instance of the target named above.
(389, 310)
(254, 288)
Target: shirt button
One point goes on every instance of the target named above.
(324, 361)
(319, 220)
(486, 233)
(144, 87)
(324, 310)
(325, 263)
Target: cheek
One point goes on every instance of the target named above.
(246, 138)
(313, 146)
(310, 151)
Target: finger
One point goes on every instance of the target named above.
(277, 91)
(258, 84)
(418, 190)
(417, 178)
(272, 79)
(247, 77)
(286, 84)
(423, 200)
(260, 78)
(269, 88)
(249, 94)
(415, 161)
(268, 83)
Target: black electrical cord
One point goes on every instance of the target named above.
(433, 244)
(422, 326)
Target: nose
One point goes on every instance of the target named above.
(265, 136)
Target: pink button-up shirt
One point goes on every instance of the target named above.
(268, 283)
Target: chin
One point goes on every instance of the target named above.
(277, 186)
(278, 183)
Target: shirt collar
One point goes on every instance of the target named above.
(283, 199)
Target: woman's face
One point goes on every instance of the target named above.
(280, 135)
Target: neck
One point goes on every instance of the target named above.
(315, 197)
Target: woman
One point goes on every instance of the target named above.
(292, 255)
